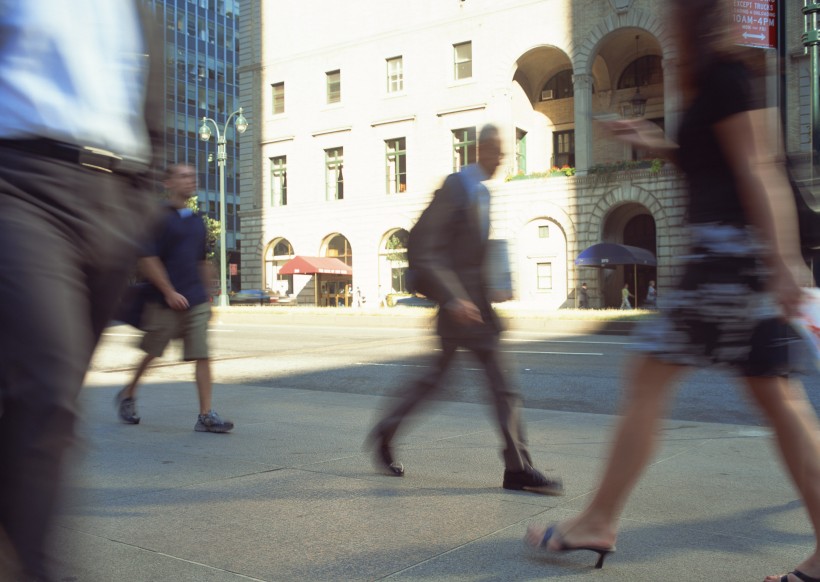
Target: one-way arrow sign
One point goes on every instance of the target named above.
(756, 22)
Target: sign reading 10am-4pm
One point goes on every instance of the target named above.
(755, 22)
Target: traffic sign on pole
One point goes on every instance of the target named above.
(755, 22)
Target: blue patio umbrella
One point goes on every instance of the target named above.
(610, 255)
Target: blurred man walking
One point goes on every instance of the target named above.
(176, 267)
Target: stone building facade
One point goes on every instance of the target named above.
(359, 109)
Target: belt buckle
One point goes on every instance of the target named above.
(98, 159)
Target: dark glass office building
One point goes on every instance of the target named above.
(201, 61)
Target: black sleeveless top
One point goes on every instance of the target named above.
(713, 194)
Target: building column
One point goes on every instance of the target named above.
(671, 98)
(582, 86)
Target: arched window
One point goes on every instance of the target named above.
(394, 253)
(339, 247)
(558, 87)
(646, 70)
(277, 254)
(282, 248)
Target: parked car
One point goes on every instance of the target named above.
(253, 297)
(413, 301)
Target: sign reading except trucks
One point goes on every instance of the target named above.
(755, 22)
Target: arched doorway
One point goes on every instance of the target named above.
(630, 224)
(640, 232)
(337, 290)
(393, 262)
(279, 252)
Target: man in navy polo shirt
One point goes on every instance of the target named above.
(176, 267)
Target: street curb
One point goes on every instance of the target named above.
(416, 317)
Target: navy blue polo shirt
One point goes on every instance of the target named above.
(181, 245)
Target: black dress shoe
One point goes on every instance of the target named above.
(384, 454)
(531, 479)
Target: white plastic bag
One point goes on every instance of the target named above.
(807, 323)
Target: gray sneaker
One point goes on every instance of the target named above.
(211, 422)
(126, 408)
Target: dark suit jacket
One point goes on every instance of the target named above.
(451, 252)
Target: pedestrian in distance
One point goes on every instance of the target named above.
(739, 285)
(74, 194)
(174, 263)
(583, 297)
(625, 295)
(453, 242)
(651, 301)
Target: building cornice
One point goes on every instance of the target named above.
(462, 109)
(334, 130)
(278, 139)
(393, 120)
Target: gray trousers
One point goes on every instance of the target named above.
(505, 398)
(68, 238)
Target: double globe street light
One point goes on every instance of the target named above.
(241, 124)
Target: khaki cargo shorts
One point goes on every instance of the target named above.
(162, 324)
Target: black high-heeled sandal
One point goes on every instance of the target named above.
(383, 454)
(800, 576)
(552, 532)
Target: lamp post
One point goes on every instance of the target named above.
(241, 124)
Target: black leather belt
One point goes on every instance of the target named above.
(89, 157)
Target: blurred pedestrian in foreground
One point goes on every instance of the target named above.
(175, 265)
(81, 105)
(742, 279)
(452, 249)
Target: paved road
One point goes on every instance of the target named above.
(555, 371)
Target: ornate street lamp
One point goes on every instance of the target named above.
(240, 124)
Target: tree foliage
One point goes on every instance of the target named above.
(213, 228)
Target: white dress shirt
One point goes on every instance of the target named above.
(472, 177)
(74, 71)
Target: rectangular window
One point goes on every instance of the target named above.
(395, 75)
(464, 147)
(563, 147)
(463, 57)
(334, 180)
(334, 86)
(544, 274)
(520, 151)
(543, 231)
(396, 164)
(279, 181)
(278, 98)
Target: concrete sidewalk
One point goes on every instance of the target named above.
(569, 322)
(291, 496)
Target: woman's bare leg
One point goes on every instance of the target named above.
(649, 385)
(798, 437)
